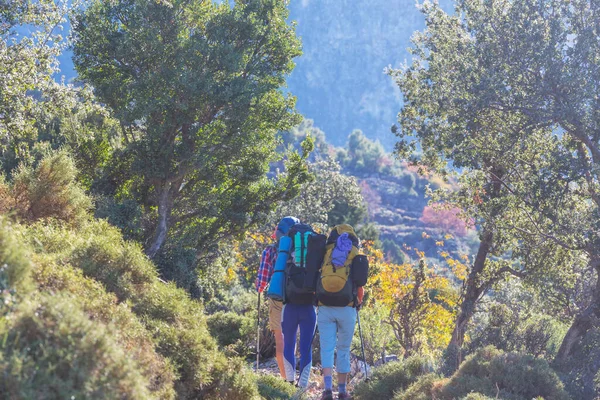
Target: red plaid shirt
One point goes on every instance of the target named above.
(267, 263)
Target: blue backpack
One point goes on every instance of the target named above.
(276, 289)
(306, 255)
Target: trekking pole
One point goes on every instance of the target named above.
(362, 345)
(316, 329)
(314, 335)
(258, 333)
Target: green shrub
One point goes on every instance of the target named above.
(378, 337)
(508, 328)
(121, 266)
(542, 335)
(99, 305)
(234, 298)
(176, 322)
(490, 371)
(274, 388)
(6, 199)
(178, 263)
(52, 350)
(233, 332)
(180, 331)
(236, 382)
(15, 264)
(125, 215)
(477, 396)
(50, 190)
(421, 389)
(391, 378)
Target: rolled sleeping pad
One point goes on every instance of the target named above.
(314, 259)
(360, 270)
(276, 288)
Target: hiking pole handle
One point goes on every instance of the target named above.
(362, 345)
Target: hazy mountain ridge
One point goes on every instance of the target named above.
(339, 80)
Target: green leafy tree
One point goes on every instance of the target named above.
(196, 88)
(319, 198)
(393, 252)
(485, 92)
(363, 156)
(517, 319)
(72, 118)
(39, 113)
(28, 62)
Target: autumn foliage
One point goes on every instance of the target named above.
(420, 303)
(445, 218)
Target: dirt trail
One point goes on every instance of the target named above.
(315, 386)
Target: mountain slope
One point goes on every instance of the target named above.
(339, 80)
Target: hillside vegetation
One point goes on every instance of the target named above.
(85, 313)
(134, 205)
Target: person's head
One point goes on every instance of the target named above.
(284, 226)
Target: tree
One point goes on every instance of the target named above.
(28, 62)
(364, 156)
(488, 91)
(393, 252)
(562, 49)
(319, 198)
(196, 88)
(419, 304)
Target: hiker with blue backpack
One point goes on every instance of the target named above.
(339, 292)
(264, 277)
(300, 251)
(299, 311)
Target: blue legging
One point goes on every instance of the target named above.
(305, 317)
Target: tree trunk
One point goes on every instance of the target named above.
(581, 325)
(164, 210)
(409, 344)
(473, 292)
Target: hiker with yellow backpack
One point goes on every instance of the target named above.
(339, 292)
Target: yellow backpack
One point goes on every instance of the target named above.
(334, 287)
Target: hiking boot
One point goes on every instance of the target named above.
(344, 396)
(327, 395)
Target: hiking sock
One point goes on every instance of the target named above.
(341, 387)
(328, 382)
